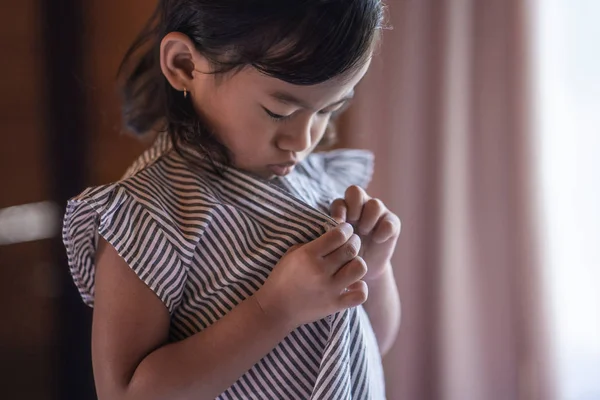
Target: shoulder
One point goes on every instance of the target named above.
(154, 217)
(164, 193)
(341, 168)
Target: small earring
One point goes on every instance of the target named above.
(184, 93)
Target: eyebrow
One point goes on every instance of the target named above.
(287, 98)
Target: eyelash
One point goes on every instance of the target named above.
(283, 118)
(277, 117)
(336, 113)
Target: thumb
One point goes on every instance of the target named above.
(293, 248)
(338, 210)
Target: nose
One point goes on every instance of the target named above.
(297, 138)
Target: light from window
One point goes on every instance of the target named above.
(566, 76)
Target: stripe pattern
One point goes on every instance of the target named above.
(204, 242)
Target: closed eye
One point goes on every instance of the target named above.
(276, 117)
(336, 113)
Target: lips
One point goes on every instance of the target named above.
(282, 169)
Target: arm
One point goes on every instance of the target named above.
(132, 357)
(130, 331)
(383, 308)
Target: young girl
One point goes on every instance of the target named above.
(224, 263)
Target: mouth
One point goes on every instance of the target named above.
(282, 169)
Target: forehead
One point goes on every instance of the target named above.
(316, 95)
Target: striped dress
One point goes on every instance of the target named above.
(204, 242)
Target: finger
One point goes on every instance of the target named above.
(372, 211)
(331, 240)
(294, 247)
(338, 210)
(388, 227)
(355, 197)
(350, 273)
(356, 295)
(341, 256)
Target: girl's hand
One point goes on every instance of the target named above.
(377, 227)
(317, 279)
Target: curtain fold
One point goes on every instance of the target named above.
(445, 107)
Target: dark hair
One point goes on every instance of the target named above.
(302, 42)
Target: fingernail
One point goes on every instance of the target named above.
(379, 239)
(347, 228)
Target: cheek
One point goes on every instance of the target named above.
(239, 127)
(318, 129)
(247, 135)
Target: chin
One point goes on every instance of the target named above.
(260, 173)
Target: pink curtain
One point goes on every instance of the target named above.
(444, 108)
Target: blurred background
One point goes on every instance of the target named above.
(485, 119)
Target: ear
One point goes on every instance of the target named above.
(179, 59)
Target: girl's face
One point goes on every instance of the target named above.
(267, 124)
